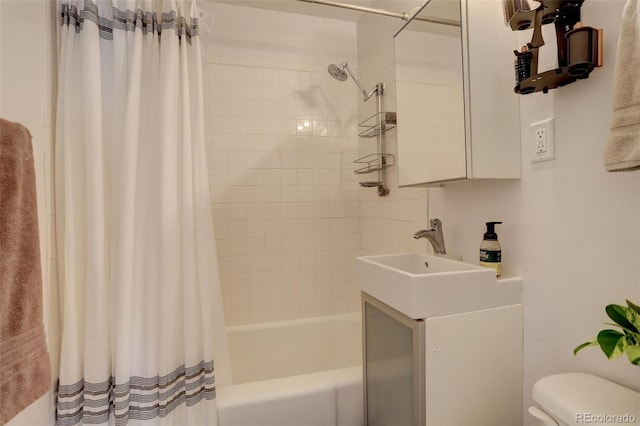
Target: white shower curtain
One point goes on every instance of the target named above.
(140, 297)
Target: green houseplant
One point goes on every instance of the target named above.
(626, 340)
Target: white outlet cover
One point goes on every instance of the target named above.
(550, 153)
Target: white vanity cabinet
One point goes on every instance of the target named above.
(463, 369)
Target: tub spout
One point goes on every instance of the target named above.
(434, 235)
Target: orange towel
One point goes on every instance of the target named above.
(25, 369)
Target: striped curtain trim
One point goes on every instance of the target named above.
(140, 398)
(127, 20)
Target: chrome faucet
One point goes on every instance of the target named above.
(434, 235)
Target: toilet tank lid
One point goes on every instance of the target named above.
(568, 396)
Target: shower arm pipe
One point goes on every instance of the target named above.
(403, 15)
(366, 94)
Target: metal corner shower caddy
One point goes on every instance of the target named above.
(374, 126)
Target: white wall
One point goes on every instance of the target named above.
(264, 35)
(570, 229)
(26, 96)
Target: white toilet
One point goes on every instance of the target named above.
(579, 399)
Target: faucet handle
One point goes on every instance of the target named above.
(436, 224)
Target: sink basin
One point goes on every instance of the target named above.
(425, 286)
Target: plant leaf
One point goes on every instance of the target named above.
(626, 330)
(633, 306)
(612, 343)
(580, 347)
(634, 318)
(619, 315)
(633, 353)
(621, 347)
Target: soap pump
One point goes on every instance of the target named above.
(490, 251)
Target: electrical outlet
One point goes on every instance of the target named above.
(543, 147)
(541, 140)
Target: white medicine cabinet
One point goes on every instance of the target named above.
(458, 117)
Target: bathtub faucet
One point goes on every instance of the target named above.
(434, 235)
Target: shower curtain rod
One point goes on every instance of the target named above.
(403, 15)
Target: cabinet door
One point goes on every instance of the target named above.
(491, 105)
(430, 98)
(458, 116)
(393, 361)
(474, 368)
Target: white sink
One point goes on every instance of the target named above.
(425, 286)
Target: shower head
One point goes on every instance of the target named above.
(337, 72)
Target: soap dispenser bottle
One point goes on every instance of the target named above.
(490, 251)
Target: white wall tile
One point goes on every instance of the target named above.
(276, 187)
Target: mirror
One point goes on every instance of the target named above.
(457, 114)
(430, 96)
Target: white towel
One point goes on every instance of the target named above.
(622, 152)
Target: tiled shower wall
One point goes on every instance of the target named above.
(282, 138)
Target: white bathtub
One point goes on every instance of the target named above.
(295, 373)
